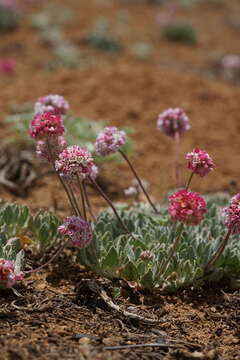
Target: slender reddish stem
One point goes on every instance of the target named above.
(60, 178)
(82, 198)
(49, 261)
(88, 203)
(102, 193)
(189, 181)
(74, 201)
(177, 153)
(139, 181)
(219, 251)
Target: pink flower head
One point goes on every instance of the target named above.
(57, 145)
(200, 162)
(7, 66)
(146, 255)
(10, 273)
(231, 214)
(74, 161)
(51, 103)
(78, 230)
(46, 125)
(187, 207)
(173, 121)
(230, 62)
(109, 141)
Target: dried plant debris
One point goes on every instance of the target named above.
(17, 171)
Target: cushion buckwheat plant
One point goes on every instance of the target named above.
(140, 260)
(181, 243)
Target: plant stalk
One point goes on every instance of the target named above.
(102, 193)
(75, 201)
(139, 180)
(171, 252)
(189, 180)
(60, 178)
(49, 261)
(177, 153)
(219, 251)
(88, 202)
(82, 198)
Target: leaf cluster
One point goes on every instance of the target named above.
(115, 255)
(39, 231)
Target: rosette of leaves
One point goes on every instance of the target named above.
(39, 231)
(183, 33)
(8, 19)
(115, 255)
(80, 131)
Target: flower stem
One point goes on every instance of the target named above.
(171, 252)
(102, 193)
(75, 201)
(88, 203)
(60, 178)
(82, 198)
(219, 251)
(189, 180)
(139, 181)
(49, 261)
(177, 152)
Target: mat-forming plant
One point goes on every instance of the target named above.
(189, 240)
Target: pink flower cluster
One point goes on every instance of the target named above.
(231, 214)
(78, 230)
(74, 161)
(146, 255)
(200, 162)
(7, 66)
(109, 141)
(46, 125)
(9, 273)
(51, 103)
(187, 207)
(230, 62)
(58, 144)
(173, 121)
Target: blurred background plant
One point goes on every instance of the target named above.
(9, 16)
(101, 38)
(180, 32)
(49, 22)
